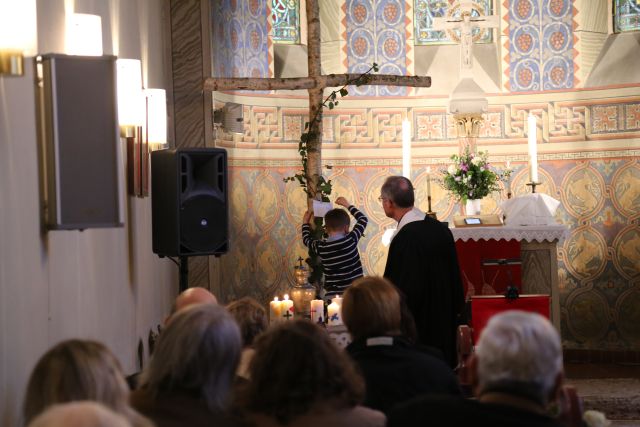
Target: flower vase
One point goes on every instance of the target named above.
(472, 207)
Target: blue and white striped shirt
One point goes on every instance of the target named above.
(340, 257)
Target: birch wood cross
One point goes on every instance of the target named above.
(315, 83)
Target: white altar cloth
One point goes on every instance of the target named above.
(527, 233)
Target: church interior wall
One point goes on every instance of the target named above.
(102, 284)
(589, 142)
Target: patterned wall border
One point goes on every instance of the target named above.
(558, 121)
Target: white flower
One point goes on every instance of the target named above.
(451, 170)
(595, 419)
(476, 160)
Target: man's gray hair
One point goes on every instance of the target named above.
(197, 352)
(519, 347)
(399, 190)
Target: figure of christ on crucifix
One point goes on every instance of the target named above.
(315, 83)
(466, 24)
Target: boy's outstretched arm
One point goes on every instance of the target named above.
(307, 238)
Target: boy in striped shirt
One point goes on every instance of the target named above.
(339, 251)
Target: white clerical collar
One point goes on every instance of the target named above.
(376, 341)
(413, 215)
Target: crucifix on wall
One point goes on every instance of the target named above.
(468, 100)
(315, 83)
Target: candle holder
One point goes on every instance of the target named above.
(533, 186)
(430, 213)
(302, 292)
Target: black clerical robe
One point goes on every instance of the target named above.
(423, 264)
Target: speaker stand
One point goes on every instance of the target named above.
(184, 273)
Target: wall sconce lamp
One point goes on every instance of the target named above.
(84, 34)
(18, 35)
(230, 118)
(131, 118)
(142, 114)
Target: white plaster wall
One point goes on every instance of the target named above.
(103, 284)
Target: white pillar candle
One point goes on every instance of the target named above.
(275, 310)
(287, 308)
(533, 149)
(334, 312)
(428, 181)
(406, 149)
(317, 310)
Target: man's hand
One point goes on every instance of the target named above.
(306, 219)
(342, 202)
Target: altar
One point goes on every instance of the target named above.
(538, 258)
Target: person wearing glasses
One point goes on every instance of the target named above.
(422, 263)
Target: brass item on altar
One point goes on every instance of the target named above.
(302, 292)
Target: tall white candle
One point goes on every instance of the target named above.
(428, 181)
(275, 311)
(317, 310)
(533, 149)
(287, 308)
(406, 149)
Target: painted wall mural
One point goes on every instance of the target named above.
(376, 31)
(541, 45)
(240, 38)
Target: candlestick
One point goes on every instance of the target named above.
(406, 149)
(287, 308)
(317, 310)
(533, 149)
(275, 310)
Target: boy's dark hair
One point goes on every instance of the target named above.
(336, 219)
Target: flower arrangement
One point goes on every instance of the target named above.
(471, 176)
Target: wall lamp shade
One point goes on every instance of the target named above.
(18, 35)
(230, 117)
(84, 34)
(131, 101)
(156, 116)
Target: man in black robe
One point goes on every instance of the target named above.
(423, 264)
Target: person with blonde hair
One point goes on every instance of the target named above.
(252, 320)
(300, 378)
(395, 370)
(77, 370)
(189, 378)
(79, 414)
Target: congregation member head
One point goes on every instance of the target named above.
(79, 414)
(516, 372)
(189, 377)
(251, 317)
(76, 370)
(371, 307)
(189, 297)
(519, 352)
(397, 196)
(394, 368)
(300, 375)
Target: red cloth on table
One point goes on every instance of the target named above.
(484, 307)
(487, 280)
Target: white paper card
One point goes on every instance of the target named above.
(321, 208)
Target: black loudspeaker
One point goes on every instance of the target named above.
(189, 202)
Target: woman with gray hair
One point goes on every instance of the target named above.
(189, 379)
(516, 372)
